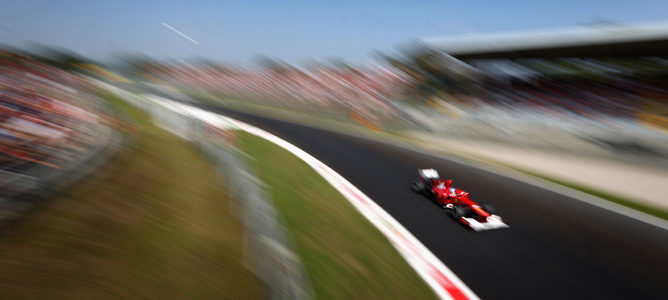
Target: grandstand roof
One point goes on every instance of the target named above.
(599, 40)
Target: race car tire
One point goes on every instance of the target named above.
(457, 212)
(488, 208)
(417, 187)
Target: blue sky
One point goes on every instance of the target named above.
(293, 30)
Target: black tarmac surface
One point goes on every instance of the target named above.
(557, 247)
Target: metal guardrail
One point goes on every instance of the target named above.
(270, 252)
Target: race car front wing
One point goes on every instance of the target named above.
(491, 222)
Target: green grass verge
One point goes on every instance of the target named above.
(344, 255)
(314, 111)
(343, 125)
(153, 223)
(338, 120)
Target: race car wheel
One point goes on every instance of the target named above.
(417, 186)
(457, 212)
(488, 208)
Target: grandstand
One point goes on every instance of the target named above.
(597, 71)
(596, 40)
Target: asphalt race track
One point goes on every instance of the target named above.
(557, 246)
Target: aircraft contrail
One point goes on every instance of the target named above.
(180, 33)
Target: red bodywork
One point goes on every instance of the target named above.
(444, 193)
(475, 216)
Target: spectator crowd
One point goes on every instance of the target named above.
(593, 89)
(596, 90)
(365, 89)
(46, 116)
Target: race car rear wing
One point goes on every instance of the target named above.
(428, 173)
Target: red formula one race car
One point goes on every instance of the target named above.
(476, 216)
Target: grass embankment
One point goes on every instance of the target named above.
(344, 255)
(330, 118)
(153, 223)
(259, 105)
